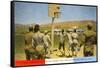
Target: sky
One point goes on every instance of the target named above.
(30, 13)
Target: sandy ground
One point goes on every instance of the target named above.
(57, 54)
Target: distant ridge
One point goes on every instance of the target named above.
(58, 24)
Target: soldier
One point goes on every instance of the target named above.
(69, 37)
(90, 40)
(62, 42)
(38, 43)
(28, 43)
(75, 44)
(47, 43)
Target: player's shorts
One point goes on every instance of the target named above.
(61, 45)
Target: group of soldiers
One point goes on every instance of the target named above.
(88, 41)
(73, 43)
(38, 45)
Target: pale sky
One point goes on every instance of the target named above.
(30, 13)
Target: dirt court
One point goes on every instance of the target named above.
(57, 54)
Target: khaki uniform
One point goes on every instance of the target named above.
(75, 43)
(28, 45)
(69, 38)
(47, 42)
(38, 44)
(90, 37)
(62, 41)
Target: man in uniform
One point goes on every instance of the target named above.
(69, 37)
(38, 43)
(62, 42)
(90, 40)
(75, 44)
(47, 43)
(28, 43)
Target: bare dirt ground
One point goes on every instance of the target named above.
(57, 54)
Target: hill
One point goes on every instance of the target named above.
(65, 25)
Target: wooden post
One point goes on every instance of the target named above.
(53, 11)
(52, 35)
